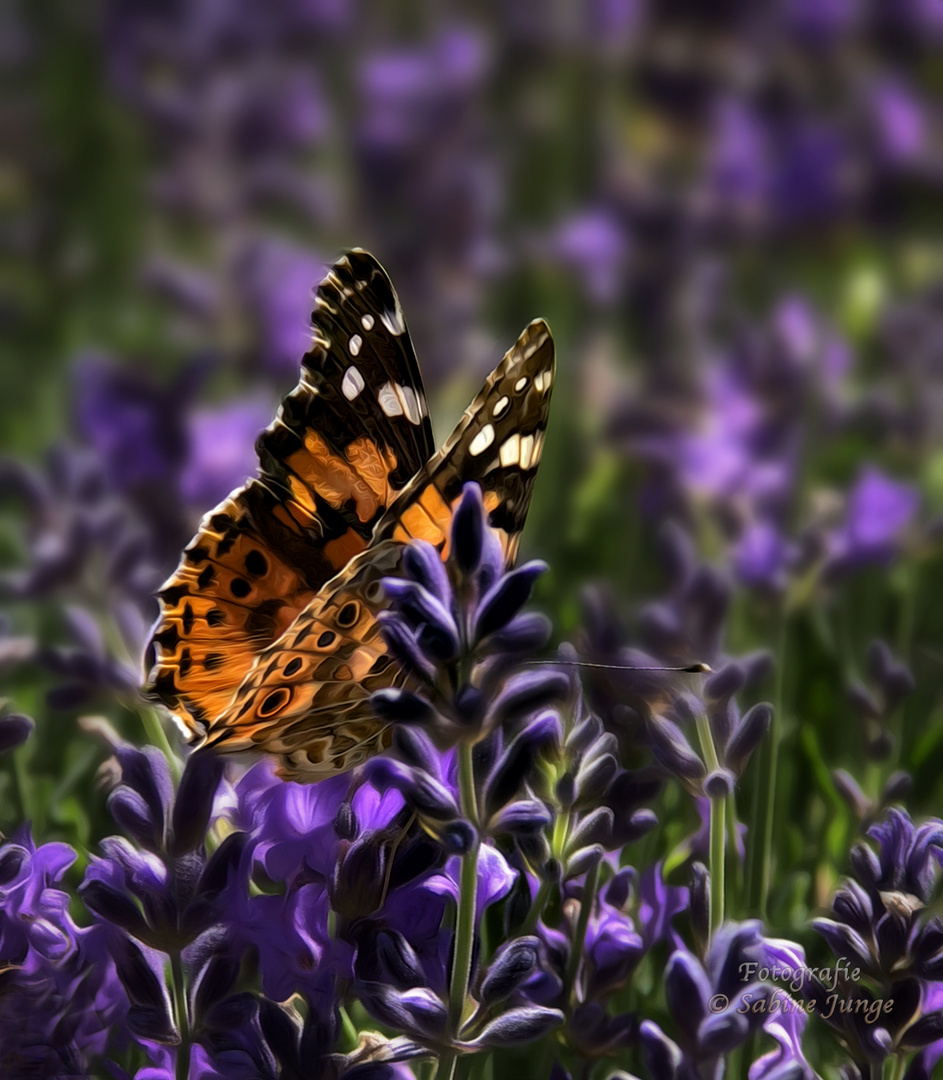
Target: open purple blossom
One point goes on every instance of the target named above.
(61, 1004)
(718, 1003)
(880, 932)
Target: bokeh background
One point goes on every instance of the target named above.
(729, 212)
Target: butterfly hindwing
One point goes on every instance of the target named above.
(307, 697)
(346, 440)
(497, 444)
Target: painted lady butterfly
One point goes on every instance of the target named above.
(268, 638)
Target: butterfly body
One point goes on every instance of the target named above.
(268, 637)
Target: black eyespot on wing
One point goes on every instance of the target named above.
(256, 563)
(327, 638)
(275, 702)
(239, 587)
(293, 666)
(347, 615)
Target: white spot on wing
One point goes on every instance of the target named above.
(520, 384)
(366, 321)
(411, 404)
(499, 406)
(543, 380)
(481, 441)
(394, 321)
(527, 451)
(354, 344)
(389, 400)
(510, 451)
(352, 383)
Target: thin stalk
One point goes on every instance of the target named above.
(718, 831)
(582, 924)
(767, 782)
(718, 852)
(182, 1070)
(465, 914)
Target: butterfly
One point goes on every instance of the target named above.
(268, 638)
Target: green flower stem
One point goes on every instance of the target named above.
(465, 914)
(718, 852)
(157, 736)
(182, 1070)
(582, 923)
(766, 783)
(718, 829)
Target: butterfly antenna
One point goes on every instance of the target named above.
(700, 668)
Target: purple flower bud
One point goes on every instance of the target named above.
(223, 863)
(152, 1024)
(525, 633)
(402, 707)
(147, 772)
(849, 790)
(662, 1057)
(15, 729)
(843, 941)
(518, 759)
(719, 783)
(897, 785)
(724, 1031)
(416, 749)
(194, 802)
(671, 750)
(594, 777)
(593, 828)
(726, 682)
(512, 965)
(436, 632)
(422, 562)
(401, 641)
(468, 530)
(687, 989)
(747, 737)
(133, 815)
(522, 816)
(506, 598)
(526, 692)
(399, 960)
(583, 859)
(214, 981)
(518, 1026)
(113, 906)
(417, 1011)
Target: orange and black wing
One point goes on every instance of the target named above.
(306, 698)
(345, 442)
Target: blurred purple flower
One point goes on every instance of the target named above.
(221, 455)
(408, 93)
(879, 511)
(762, 556)
(278, 281)
(899, 119)
(593, 244)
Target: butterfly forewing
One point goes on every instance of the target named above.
(307, 697)
(345, 442)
